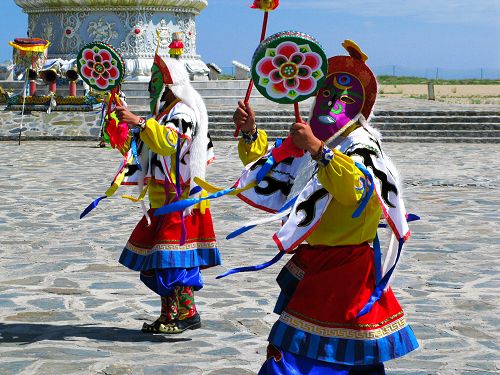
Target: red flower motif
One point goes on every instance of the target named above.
(99, 67)
(288, 72)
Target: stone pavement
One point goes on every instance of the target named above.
(68, 307)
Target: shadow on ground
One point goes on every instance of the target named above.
(26, 333)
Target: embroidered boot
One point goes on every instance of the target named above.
(169, 311)
(187, 317)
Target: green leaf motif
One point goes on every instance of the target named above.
(305, 48)
(270, 52)
(317, 74)
(263, 81)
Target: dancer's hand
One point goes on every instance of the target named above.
(244, 117)
(303, 138)
(124, 115)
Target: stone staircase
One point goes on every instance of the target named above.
(411, 120)
(438, 126)
(395, 126)
(398, 119)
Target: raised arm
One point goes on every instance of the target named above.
(161, 139)
(253, 142)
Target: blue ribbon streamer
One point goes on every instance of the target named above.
(379, 288)
(91, 206)
(264, 170)
(253, 268)
(412, 217)
(133, 147)
(246, 228)
(366, 198)
(185, 203)
(409, 219)
(195, 190)
(382, 283)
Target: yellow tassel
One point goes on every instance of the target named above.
(204, 204)
(140, 197)
(118, 180)
(213, 189)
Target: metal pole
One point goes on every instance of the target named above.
(22, 110)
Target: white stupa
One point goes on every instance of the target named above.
(130, 26)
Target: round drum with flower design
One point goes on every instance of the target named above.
(100, 66)
(289, 67)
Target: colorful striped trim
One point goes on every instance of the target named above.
(174, 246)
(343, 350)
(171, 259)
(361, 331)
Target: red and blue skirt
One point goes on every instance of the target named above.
(323, 288)
(156, 251)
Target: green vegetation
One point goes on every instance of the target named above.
(392, 80)
(226, 77)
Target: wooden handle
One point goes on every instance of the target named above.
(298, 118)
(250, 84)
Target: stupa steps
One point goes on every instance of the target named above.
(382, 127)
(280, 133)
(400, 126)
(395, 126)
(425, 122)
(470, 137)
(377, 120)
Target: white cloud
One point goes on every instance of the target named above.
(435, 11)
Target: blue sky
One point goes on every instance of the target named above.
(418, 34)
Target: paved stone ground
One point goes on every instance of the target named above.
(68, 307)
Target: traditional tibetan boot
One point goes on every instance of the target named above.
(169, 311)
(179, 326)
(187, 317)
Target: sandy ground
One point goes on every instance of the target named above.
(464, 94)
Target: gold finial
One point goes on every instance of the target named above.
(157, 41)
